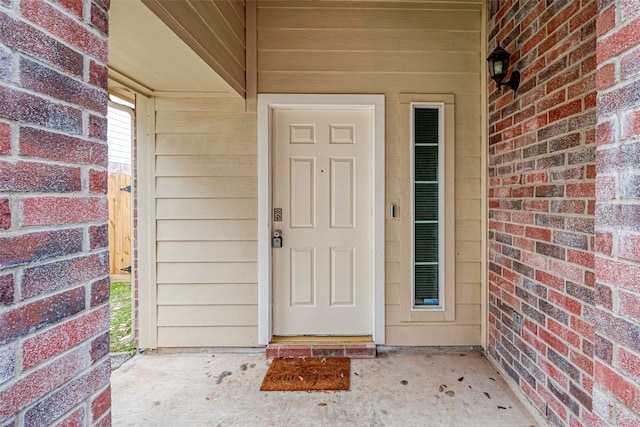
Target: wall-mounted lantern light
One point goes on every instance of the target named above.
(499, 67)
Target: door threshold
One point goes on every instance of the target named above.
(323, 339)
(321, 346)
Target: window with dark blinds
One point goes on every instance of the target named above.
(427, 159)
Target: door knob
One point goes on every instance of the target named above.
(276, 240)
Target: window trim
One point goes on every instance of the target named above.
(445, 312)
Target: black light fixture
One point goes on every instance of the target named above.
(499, 67)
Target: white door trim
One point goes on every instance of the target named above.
(268, 102)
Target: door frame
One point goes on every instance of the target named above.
(266, 104)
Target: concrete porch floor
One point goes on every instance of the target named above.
(394, 389)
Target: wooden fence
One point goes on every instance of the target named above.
(119, 223)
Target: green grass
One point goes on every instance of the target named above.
(121, 306)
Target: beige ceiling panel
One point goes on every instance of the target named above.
(207, 30)
(145, 54)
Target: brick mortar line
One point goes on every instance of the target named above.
(17, 126)
(35, 264)
(20, 341)
(84, 21)
(19, 158)
(15, 86)
(28, 230)
(84, 79)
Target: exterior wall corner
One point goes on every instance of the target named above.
(542, 206)
(617, 217)
(54, 261)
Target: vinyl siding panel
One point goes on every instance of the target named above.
(194, 230)
(190, 187)
(209, 166)
(215, 142)
(207, 251)
(206, 228)
(208, 336)
(380, 40)
(436, 335)
(190, 294)
(207, 272)
(364, 82)
(199, 315)
(203, 209)
(365, 15)
(393, 48)
(401, 62)
(198, 122)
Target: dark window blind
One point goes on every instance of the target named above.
(426, 208)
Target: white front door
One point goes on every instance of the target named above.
(322, 274)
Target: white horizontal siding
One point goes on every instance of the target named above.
(206, 160)
(119, 125)
(206, 227)
(207, 336)
(192, 294)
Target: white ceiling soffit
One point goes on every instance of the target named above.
(147, 56)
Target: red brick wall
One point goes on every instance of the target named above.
(542, 205)
(54, 287)
(617, 341)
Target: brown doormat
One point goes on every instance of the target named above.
(310, 373)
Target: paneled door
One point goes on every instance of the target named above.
(322, 200)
